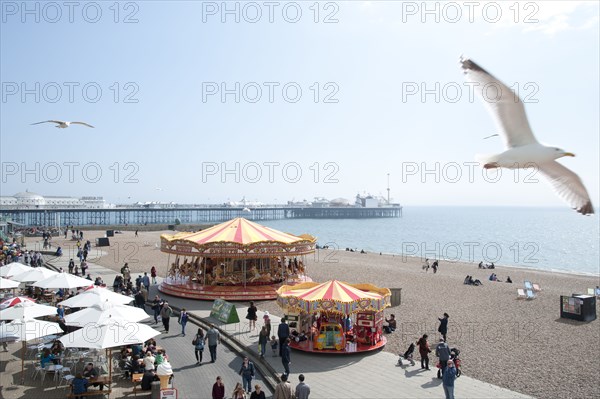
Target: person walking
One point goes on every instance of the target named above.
(283, 390)
(263, 338)
(156, 305)
(283, 332)
(183, 319)
(267, 321)
(165, 315)
(213, 338)
(71, 266)
(448, 380)
(424, 351)
(218, 390)
(247, 373)
(146, 281)
(286, 356)
(198, 343)
(153, 274)
(251, 316)
(443, 353)
(443, 328)
(238, 392)
(258, 393)
(302, 389)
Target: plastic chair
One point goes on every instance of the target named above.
(536, 287)
(521, 293)
(64, 374)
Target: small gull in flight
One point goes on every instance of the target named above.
(522, 149)
(63, 124)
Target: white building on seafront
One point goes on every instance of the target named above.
(29, 200)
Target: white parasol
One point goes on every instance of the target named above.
(63, 280)
(94, 296)
(26, 330)
(14, 268)
(7, 284)
(37, 274)
(27, 310)
(104, 312)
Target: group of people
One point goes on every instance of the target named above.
(444, 355)
(433, 266)
(283, 390)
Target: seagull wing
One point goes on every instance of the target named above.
(81, 123)
(568, 186)
(37, 123)
(505, 106)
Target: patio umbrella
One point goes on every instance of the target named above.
(14, 268)
(7, 284)
(37, 274)
(27, 310)
(13, 301)
(26, 330)
(94, 296)
(63, 280)
(104, 312)
(109, 334)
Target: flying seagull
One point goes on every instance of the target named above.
(522, 149)
(63, 124)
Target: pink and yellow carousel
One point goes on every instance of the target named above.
(334, 317)
(238, 260)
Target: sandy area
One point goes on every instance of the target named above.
(517, 344)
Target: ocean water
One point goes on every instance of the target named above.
(541, 238)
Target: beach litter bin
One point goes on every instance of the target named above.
(578, 307)
(110, 233)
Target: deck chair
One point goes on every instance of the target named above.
(536, 287)
(530, 294)
(521, 293)
(528, 285)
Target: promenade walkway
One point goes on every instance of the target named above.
(374, 375)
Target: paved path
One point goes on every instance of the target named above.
(374, 375)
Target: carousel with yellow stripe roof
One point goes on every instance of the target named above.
(238, 260)
(334, 317)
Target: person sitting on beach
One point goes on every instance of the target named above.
(392, 325)
(467, 280)
(508, 280)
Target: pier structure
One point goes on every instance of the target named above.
(35, 217)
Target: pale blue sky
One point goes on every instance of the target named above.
(369, 56)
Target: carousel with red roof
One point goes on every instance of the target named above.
(335, 317)
(238, 260)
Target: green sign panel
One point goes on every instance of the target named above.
(224, 311)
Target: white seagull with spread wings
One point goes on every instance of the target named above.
(522, 149)
(63, 124)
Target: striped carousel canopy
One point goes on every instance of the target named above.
(333, 297)
(237, 238)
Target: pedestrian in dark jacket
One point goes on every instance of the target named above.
(286, 356)
(443, 353)
(424, 351)
(448, 379)
(443, 328)
(283, 332)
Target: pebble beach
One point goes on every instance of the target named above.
(522, 345)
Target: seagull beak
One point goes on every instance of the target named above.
(568, 154)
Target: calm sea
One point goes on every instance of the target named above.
(541, 238)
